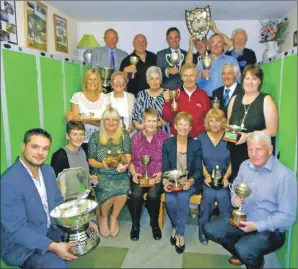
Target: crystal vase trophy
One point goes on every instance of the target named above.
(105, 74)
(242, 190)
(146, 181)
(175, 178)
(233, 135)
(74, 215)
(133, 60)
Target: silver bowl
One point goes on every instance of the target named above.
(86, 115)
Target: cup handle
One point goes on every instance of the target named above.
(182, 59)
(230, 187)
(168, 55)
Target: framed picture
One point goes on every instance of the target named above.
(36, 25)
(295, 39)
(60, 34)
(8, 22)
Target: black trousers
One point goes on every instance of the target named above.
(136, 201)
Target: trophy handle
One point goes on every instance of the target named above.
(181, 59)
(230, 187)
(168, 55)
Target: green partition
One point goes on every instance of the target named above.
(3, 164)
(52, 101)
(22, 98)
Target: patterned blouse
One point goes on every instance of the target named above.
(144, 101)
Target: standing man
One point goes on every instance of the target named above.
(29, 238)
(270, 208)
(146, 59)
(211, 79)
(229, 75)
(171, 76)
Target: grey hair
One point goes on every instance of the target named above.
(154, 70)
(232, 66)
(258, 136)
(239, 30)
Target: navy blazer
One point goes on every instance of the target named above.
(194, 160)
(23, 219)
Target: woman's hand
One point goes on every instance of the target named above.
(161, 123)
(242, 139)
(69, 116)
(187, 183)
(135, 177)
(130, 69)
(207, 181)
(157, 177)
(105, 166)
(167, 186)
(94, 179)
(122, 167)
(140, 126)
(166, 95)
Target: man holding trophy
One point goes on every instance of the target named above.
(266, 192)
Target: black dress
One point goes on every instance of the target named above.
(254, 121)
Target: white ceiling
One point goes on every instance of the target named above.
(105, 11)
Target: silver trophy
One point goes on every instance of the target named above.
(207, 62)
(216, 178)
(74, 215)
(175, 178)
(233, 135)
(105, 74)
(175, 59)
(198, 22)
(133, 60)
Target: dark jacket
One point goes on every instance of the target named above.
(194, 161)
(248, 57)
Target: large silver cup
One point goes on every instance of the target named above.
(74, 215)
(207, 62)
(175, 59)
(105, 74)
(133, 60)
(175, 178)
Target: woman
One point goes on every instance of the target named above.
(253, 110)
(147, 142)
(215, 154)
(152, 97)
(113, 185)
(183, 153)
(121, 100)
(90, 100)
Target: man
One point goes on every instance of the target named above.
(146, 59)
(229, 75)
(171, 76)
(243, 55)
(29, 192)
(270, 208)
(211, 79)
(201, 48)
(191, 99)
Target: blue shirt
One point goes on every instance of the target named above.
(236, 54)
(215, 73)
(272, 203)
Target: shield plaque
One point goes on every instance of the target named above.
(198, 21)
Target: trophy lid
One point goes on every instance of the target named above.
(74, 183)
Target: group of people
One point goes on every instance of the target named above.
(137, 118)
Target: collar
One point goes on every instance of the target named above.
(232, 87)
(173, 50)
(109, 50)
(268, 166)
(28, 170)
(188, 92)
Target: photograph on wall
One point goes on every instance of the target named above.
(60, 34)
(8, 23)
(36, 25)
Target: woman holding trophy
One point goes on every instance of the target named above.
(109, 155)
(216, 169)
(180, 156)
(145, 169)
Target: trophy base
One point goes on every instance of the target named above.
(176, 188)
(86, 239)
(146, 182)
(106, 83)
(237, 216)
(231, 137)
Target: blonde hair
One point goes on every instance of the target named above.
(89, 73)
(216, 114)
(119, 73)
(103, 138)
(183, 116)
(189, 66)
(150, 112)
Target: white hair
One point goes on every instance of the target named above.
(154, 70)
(239, 30)
(232, 66)
(259, 136)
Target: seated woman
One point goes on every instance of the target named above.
(90, 100)
(215, 154)
(152, 97)
(147, 142)
(122, 100)
(113, 186)
(183, 153)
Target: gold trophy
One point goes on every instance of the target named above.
(233, 134)
(146, 181)
(175, 178)
(207, 62)
(242, 190)
(174, 95)
(112, 160)
(133, 60)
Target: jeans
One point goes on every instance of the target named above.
(250, 248)
(177, 204)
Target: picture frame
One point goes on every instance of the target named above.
(36, 36)
(60, 33)
(8, 22)
(295, 39)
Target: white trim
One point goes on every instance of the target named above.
(5, 116)
(39, 92)
(64, 86)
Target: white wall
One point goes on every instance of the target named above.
(292, 27)
(71, 26)
(155, 32)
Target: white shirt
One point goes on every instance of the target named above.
(121, 105)
(232, 89)
(41, 188)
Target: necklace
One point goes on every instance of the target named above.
(245, 113)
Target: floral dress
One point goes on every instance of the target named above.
(111, 182)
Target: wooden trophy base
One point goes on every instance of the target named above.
(231, 137)
(237, 216)
(146, 182)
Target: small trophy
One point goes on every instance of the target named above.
(175, 177)
(133, 60)
(233, 134)
(207, 62)
(215, 102)
(216, 178)
(112, 160)
(175, 59)
(174, 95)
(242, 190)
(146, 181)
